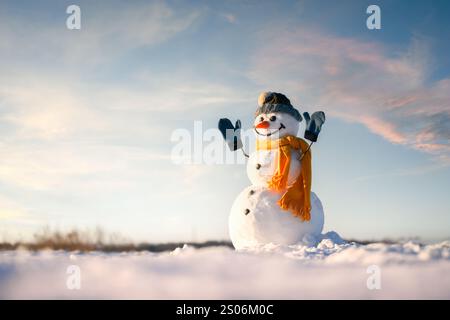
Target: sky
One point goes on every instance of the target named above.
(87, 116)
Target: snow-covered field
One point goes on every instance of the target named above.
(330, 269)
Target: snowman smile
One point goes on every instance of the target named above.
(270, 133)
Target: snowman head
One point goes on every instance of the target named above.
(275, 117)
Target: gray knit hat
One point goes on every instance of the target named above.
(276, 102)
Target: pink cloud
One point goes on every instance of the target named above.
(384, 129)
(361, 82)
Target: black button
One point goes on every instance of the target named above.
(258, 166)
(247, 211)
(252, 192)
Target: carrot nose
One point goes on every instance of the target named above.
(263, 125)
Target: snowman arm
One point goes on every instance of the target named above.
(302, 154)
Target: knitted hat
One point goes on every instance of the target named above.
(269, 102)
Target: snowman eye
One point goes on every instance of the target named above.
(273, 118)
(261, 119)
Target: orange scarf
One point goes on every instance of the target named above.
(296, 197)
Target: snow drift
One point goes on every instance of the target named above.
(331, 268)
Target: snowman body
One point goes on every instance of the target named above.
(262, 164)
(256, 218)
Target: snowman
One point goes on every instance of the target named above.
(279, 206)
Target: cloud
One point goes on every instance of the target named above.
(107, 31)
(383, 128)
(358, 81)
(44, 108)
(56, 131)
(166, 96)
(229, 17)
(49, 109)
(77, 166)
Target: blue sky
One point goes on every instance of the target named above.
(86, 116)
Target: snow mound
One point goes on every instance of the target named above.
(328, 268)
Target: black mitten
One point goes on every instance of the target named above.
(231, 134)
(313, 124)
